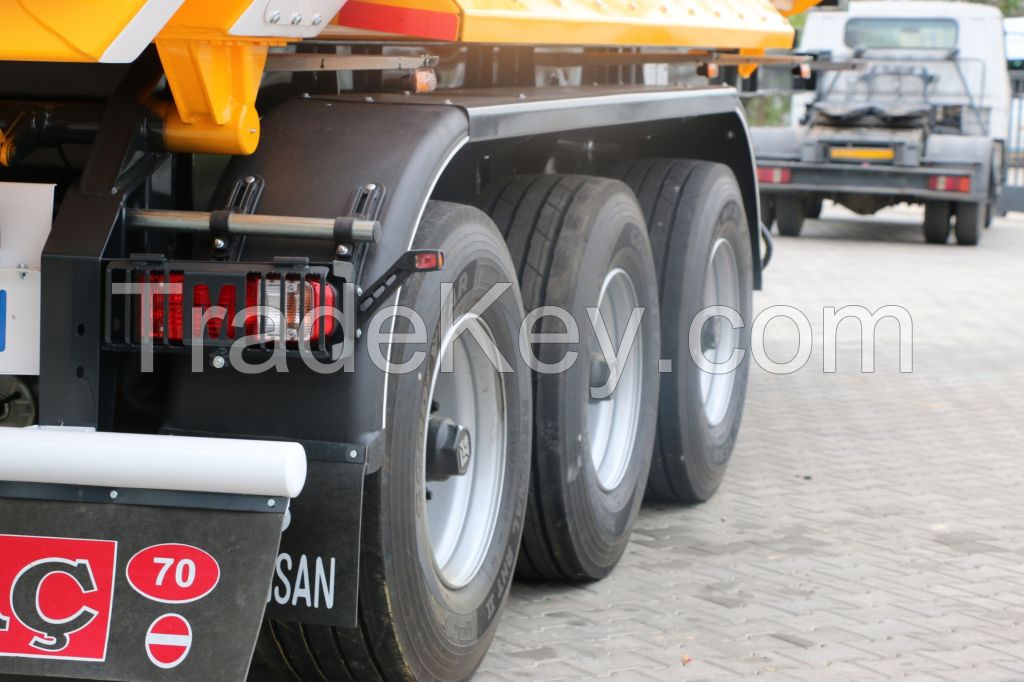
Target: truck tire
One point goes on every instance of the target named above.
(936, 221)
(695, 213)
(580, 243)
(969, 216)
(812, 208)
(437, 555)
(790, 213)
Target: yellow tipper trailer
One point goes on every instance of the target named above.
(320, 321)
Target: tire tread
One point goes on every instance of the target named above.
(529, 210)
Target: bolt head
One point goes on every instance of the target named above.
(296, 19)
(342, 250)
(352, 454)
(219, 244)
(317, 19)
(113, 494)
(275, 17)
(218, 362)
(271, 502)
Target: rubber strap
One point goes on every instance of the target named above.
(219, 224)
(343, 230)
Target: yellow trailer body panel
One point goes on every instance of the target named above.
(214, 51)
(79, 30)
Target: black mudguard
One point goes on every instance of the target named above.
(133, 585)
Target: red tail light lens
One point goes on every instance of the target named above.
(774, 176)
(300, 299)
(201, 303)
(950, 183)
(169, 299)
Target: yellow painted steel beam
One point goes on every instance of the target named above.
(694, 23)
(214, 83)
(736, 24)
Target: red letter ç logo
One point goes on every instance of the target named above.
(55, 597)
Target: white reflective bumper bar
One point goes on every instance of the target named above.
(120, 460)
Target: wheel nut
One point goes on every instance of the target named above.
(449, 449)
(600, 370)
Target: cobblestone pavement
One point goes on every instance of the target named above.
(871, 525)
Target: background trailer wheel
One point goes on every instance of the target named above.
(767, 211)
(969, 217)
(444, 514)
(936, 221)
(790, 213)
(812, 208)
(701, 242)
(580, 244)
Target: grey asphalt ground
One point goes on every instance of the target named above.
(871, 526)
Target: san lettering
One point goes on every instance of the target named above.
(295, 585)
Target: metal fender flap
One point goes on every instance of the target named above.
(126, 557)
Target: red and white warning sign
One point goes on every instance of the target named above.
(56, 596)
(173, 573)
(168, 641)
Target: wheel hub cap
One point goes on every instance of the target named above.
(448, 449)
(718, 338)
(612, 420)
(464, 453)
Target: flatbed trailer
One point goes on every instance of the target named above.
(287, 298)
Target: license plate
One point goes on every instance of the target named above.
(862, 154)
(19, 321)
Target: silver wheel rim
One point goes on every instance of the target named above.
(718, 338)
(462, 512)
(612, 422)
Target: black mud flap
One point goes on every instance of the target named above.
(316, 576)
(104, 584)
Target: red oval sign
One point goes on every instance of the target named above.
(173, 573)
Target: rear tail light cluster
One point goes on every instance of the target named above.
(950, 183)
(293, 310)
(774, 176)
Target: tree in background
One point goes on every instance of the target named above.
(1010, 8)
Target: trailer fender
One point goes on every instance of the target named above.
(725, 138)
(314, 158)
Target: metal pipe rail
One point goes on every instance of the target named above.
(339, 230)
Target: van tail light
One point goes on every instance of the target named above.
(267, 307)
(950, 183)
(774, 176)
